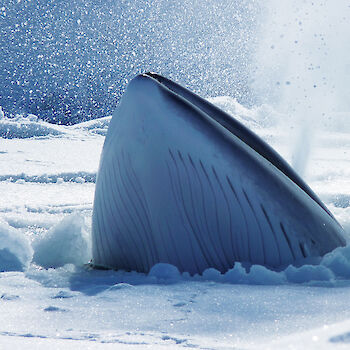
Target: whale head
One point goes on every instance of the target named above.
(182, 182)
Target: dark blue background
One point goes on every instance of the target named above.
(69, 61)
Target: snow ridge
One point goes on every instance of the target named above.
(79, 177)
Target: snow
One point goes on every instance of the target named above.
(15, 250)
(45, 212)
(165, 272)
(25, 127)
(68, 242)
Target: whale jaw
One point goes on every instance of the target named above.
(177, 185)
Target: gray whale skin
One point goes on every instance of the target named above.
(182, 182)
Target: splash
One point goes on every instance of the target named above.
(303, 68)
(304, 58)
(70, 61)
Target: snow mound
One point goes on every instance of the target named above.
(15, 250)
(78, 177)
(257, 117)
(66, 243)
(331, 270)
(67, 246)
(97, 126)
(256, 275)
(29, 126)
(165, 272)
(21, 127)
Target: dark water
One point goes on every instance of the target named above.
(69, 61)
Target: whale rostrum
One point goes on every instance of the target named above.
(182, 182)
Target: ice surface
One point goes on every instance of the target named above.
(46, 213)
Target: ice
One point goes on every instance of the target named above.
(15, 250)
(66, 243)
(165, 272)
(26, 127)
(338, 262)
(30, 126)
(332, 270)
(308, 273)
(97, 126)
(49, 212)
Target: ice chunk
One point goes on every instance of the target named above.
(15, 250)
(66, 243)
(212, 274)
(165, 272)
(338, 262)
(308, 273)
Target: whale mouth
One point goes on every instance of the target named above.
(241, 131)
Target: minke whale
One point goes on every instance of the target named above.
(182, 182)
